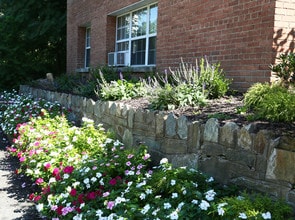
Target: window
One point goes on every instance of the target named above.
(87, 48)
(136, 37)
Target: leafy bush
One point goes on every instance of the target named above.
(119, 90)
(170, 97)
(208, 77)
(271, 102)
(213, 80)
(285, 70)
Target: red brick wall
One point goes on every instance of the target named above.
(237, 33)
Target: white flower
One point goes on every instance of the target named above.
(66, 176)
(173, 182)
(75, 184)
(180, 205)
(210, 195)
(39, 207)
(119, 200)
(242, 215)
(142, 196)
(93, 179)
(148, 191)
(154, 213)
(220, 210)
(204, 205)
(174, 195)
(174, 215)
(167, 205)
(164, 160)
(195, 202)
(98, 175)
(86, 181)
(211, 179)
(78, 217)
(266, 215)
(145, 209)
(99, 213)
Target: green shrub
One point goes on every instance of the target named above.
(255, 94)
(169, 97)
(119, 89)
(213, 80)
(209, 77)
(270, 102)
(285, 70)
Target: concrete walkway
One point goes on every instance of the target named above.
(14, 189)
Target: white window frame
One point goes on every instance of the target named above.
(87, 47)
(147, 36)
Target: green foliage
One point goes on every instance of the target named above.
(271, 102)
(119, 90)
(33, 40)
(285, 70)
(183, 95)
(212, 79)
(255, 94)
(109, 73)
(209, 77)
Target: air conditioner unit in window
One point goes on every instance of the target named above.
(122, 58)
(111, 59)
(118, 58)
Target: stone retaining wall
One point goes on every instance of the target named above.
(231, 154)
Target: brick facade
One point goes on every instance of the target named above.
(245, 36)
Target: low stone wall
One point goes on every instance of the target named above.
(231, 154)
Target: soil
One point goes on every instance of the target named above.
(225, 109)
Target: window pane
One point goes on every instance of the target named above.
(88, 37)
(123, 27)
(152, 51)
(153, 19)
(123, 46)
(138, 52)
(139, 23)
(87, 58)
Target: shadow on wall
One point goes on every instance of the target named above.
(281, 43)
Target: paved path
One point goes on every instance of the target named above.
(14, 202)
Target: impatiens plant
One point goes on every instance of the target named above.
(17, 109)
(84, 173)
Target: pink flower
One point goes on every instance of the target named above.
(128, 163)
(22, 159)
(55, 172)
(39, 181)
(47, 166)
(146, 156)
(68, 169)
(37, 198)
(130, 156)
(110, 205)
(37, 143)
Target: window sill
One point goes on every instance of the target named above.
(83, 70)
(137, 69)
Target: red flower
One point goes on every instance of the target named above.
(37, 198)
(113, 182)
(59, 210)
(68, 169)
(31, 196)
(16, 171)
(80, 198)
(73, 192)
(91, 196)
(46, 190)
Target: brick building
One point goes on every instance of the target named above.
(245, 36)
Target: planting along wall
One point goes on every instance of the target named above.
(231, 154)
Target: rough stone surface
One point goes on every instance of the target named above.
(211, 130)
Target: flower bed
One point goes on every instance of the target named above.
(84, 173)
